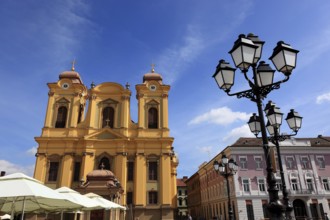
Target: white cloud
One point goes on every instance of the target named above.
(176, 58)
(222, 116)
(205, 149)
(323, 98)
(314, 47)
(32, 151)
(13, 168)
(243, 131)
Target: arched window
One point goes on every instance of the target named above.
(104, 163)
(153, 118)
(61, 117)
(53, 168)
(108, 117)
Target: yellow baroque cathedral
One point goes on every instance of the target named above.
(88, 130)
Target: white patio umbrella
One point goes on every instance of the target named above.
(5, 216)
(21, 193)
(76, 197)
(104, 202)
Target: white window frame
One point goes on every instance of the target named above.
(242, 158)
(321, 162)
(291, 159)
(294, 184)
(309, 184)
(261, 185)
(326, 183)
(258, 161)
(304, 159)
(246, 185)
(279, 183)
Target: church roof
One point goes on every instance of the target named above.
(152, 76)
(72, 75)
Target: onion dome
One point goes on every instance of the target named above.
(152, 76)
(72, 75)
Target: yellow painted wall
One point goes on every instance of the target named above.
(87, 141)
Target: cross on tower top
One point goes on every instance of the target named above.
(73, 63)
(153, 67)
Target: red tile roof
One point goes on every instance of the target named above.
(319, 141)
(181, 182)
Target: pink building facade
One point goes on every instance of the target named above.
(306, 165)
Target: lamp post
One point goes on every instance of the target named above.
(246, 53)
(226, 168)
(275, 117)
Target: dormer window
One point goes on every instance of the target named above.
(108, 114)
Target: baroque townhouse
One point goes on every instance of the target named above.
(306, 165)
(182, 203)
(194, 195)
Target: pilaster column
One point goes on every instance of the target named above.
(315, 174)
(87, 164)
(300, 173)
(66, 170)
(174, 187)
(141, 111)
(92, 111)
(165, 178)
(74, 111)
(121, 172)
(50, 110)
(165, 111)
(40, 169)
(125, 111)
(140, 179)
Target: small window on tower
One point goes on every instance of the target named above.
(153, 197)
(61, 117)
(53, 171)
(153, 170)
(108, 114)
(130, 171)
(153, 118)
(76, 171)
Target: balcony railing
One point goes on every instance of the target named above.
(301, 191)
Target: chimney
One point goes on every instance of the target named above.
(3, 173)
(185, 178)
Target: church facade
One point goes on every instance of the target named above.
(90, 129)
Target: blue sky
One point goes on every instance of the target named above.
(117, 41)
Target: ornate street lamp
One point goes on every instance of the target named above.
(246, 53)
(226, 168)
(284, 58)
(254, 124)
(294, 121)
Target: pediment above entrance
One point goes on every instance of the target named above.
(105, 133)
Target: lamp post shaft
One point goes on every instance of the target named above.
(275, 206)
(285, 193)
(230, 210)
